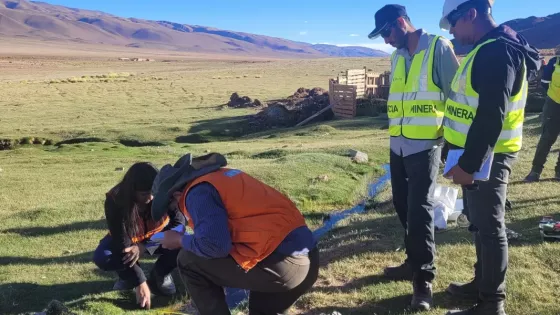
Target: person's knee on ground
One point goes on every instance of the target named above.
(238, 240)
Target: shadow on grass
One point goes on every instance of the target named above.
(353, 285)
(63, 259)
(51, 230)
(234, 128)
(545, 180)
(393, 305)
(377, 235)
(17, 298)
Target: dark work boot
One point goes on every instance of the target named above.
(401, 272)
(463, 291)
(533, 177)
(422, 296)
(162, 286)
(483, 308)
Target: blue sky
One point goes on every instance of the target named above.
(313, 21)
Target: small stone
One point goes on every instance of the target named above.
(119, 169)
(359, 157)
(206, 151)
(67, 252)
(322, 178)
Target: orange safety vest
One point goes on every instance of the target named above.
(146, 228)
(259, 217)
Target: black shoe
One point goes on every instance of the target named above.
(122, 285)
(402, 272)
(422, 298)
(533, 177)
(162, 286)
(483, 308)
(464, 291)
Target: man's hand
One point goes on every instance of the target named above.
(132, 254)
(171, 240)
(459, 176)
(143, 295)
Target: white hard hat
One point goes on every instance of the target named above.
(450, 6)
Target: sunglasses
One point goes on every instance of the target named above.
(387, 30)
(455, 16)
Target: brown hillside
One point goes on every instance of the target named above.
(43, 21)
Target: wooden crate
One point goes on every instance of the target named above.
(342, 98)
(357, 77)
(377, 85)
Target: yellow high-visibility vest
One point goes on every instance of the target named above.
(415, 105)
(462, 104)
(554, 87)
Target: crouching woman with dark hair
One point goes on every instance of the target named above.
(128, 214)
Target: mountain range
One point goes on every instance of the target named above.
(541, 32)
(43, 21)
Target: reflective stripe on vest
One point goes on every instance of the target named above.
(415, 105)
(554, 87)
(462, 104)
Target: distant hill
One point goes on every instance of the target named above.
(349, 51)
(541, 32)
(43, 21)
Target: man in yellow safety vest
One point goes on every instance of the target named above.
(484, 116)
(422, 69)
(551, 119)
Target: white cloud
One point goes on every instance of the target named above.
(354, 35)
(380, 46)
(303, 33)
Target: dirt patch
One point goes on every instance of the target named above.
(192, 138)
(292, 110)
(138, 143)
(80, 140)
(235, 101)
(371, 106)
(272, 154)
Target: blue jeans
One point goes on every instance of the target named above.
(106, 260)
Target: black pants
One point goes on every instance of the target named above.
(413, 180)
(106, 260)
(275, 284)
(485, 207)
(549, 135)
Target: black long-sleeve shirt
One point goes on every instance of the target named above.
(547, 73)
(121, 240)
(497, 74)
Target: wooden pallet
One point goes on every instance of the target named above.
(357, 78)
(342, 99)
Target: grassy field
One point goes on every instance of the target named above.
(52, 196)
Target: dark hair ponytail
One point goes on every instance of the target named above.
(139, 177)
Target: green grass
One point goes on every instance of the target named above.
(52, 195)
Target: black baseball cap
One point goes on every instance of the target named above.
(386, 15)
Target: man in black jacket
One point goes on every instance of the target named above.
(484, 116)
(550, 125)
